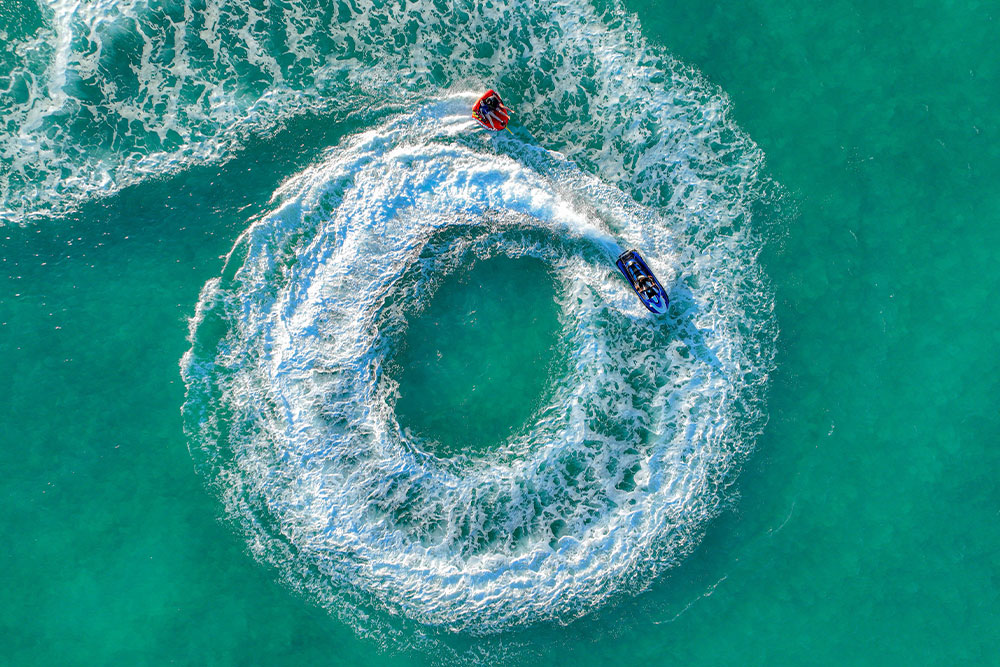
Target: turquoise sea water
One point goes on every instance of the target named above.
(232, 447)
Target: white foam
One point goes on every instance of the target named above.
(289, 410)
(207, 80)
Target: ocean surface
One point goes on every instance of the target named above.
(303, 367)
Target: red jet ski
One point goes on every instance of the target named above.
(490, 112)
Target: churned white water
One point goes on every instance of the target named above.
(291, 414)
(108, 94)
(289, 410)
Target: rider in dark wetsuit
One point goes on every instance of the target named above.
(647, 285)
(644, 283)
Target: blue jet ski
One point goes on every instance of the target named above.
(642, 280)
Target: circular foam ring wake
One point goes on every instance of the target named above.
(290, 412)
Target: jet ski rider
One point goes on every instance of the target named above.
(489, 107)
(645, 283)
(642, 281)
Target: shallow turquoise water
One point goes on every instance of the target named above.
(860, 530)
(485, 366)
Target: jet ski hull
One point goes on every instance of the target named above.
(643, 282)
